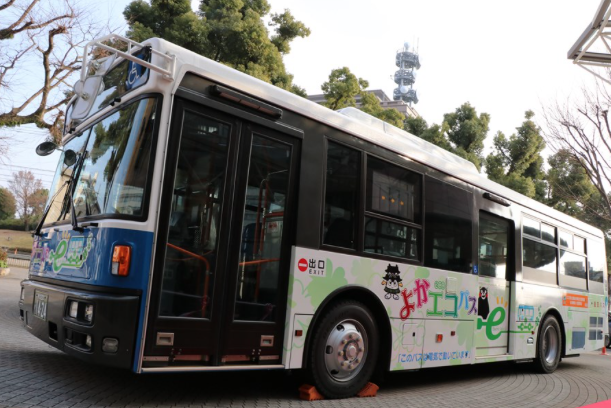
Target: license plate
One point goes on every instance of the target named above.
(40, 305)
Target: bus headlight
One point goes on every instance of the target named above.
(73, 309)
(89, 313)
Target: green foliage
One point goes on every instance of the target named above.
(466, 132)
(572, 192)
(342, 88)
(517, 163)
(462, 132)
(228, 31)
(371, 104)
(8, 205)
(416, 125)
(13, 224)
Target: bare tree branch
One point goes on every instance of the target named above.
(41, 47)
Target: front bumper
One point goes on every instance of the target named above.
(114, 317)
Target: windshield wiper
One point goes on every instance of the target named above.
(75, 174)
(72, 182)
(44, 215)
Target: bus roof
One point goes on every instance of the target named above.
(387, 136)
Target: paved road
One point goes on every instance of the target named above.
(33, 374)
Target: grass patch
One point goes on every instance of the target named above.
(21, 240)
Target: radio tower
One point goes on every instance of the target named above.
(405, 77)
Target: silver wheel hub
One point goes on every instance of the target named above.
(346, 350)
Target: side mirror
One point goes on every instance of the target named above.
(45, 148)
(86, 93)
(69, 157)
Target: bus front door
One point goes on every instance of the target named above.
(495, 271)
(221, 271)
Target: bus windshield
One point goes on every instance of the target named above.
(113, 177)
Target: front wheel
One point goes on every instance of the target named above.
(548, 346)
(344, 350)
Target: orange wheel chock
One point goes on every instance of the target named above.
(308, 392)
(369, 390)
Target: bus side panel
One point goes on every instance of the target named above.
(583, 318)
(422, 299)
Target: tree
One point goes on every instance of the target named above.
(371, 104)
(517, 162)
(462, 132)
(416, 125)
(581, 131)
(228, 31)
(342, 88)
(27, 191)
(466, 131)
(40, 46)
(572, 192)
(7, 204)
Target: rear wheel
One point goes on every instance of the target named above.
(344, 350)
(548, 346)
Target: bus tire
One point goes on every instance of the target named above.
(548, 346)
(344, 350)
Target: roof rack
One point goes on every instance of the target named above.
(132, 46)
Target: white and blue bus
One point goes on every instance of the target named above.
(203, 220)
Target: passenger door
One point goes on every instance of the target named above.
(223, 252)
(495, 269)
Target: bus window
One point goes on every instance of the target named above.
(539, 261)
(114, 174)
(448, 220)
(566, 239)
(493, 246)
(548, 233)
(341, 196)
(393, 220)
(262, 230)
(572, 270)
(189, 269)
(393, 191)
(531, 227)
(596, 266)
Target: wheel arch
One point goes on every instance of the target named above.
(556, 313)
(373, 303)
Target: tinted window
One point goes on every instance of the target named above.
(341, 196)
(531, 227)
(572, 264)
(197, 196)
(539, 256)
(389, 238)
(548, 233)
(113, 177)
(580, 244)
(393, 191)
(448, 221)
(493, 246)
(566, 239)
(596, 261)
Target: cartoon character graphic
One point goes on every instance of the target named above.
(392, 282)
(483, 307)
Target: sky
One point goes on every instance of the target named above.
(502, 57)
